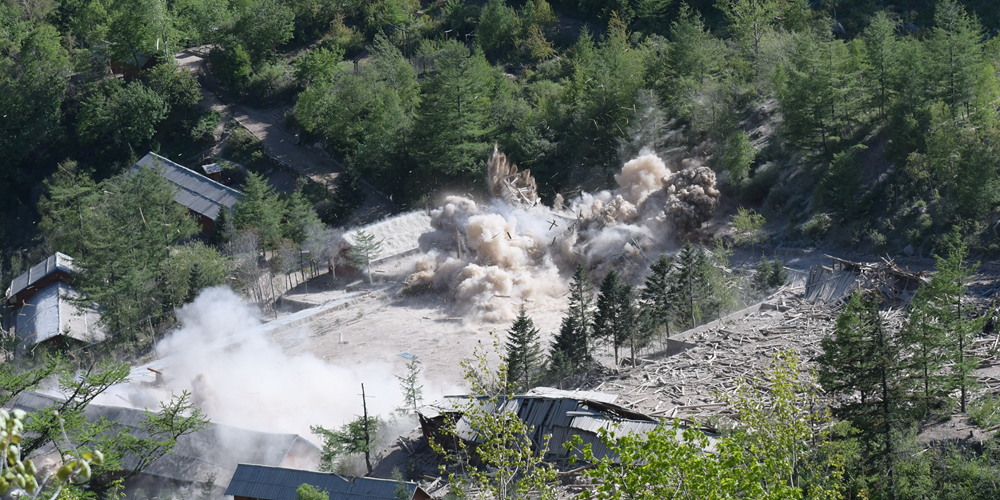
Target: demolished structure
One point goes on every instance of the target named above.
(517, 189)
(548, 412)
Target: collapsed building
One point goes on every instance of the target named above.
(548, 412)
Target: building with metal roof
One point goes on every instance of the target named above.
(260, 482)
(560, 414)
(57, 267)
(210, 454)
(203, 196)
(53, 316)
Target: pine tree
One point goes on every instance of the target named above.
(956, 55)
(364, 250)
(570, 352)
(523, 356)
(616, 320)
(413, 394)
(882, 58)
(259, 210)
(846, 365)
(659, 295)
(952, 276)
(691, 285)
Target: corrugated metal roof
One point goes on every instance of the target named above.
(399, 234)
(195, 191)
(55, 262)
(827, 285)
(212, 168)
(550, 392)
(276, 483)
(51, 312)
(216, 450)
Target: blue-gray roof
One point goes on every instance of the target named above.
(195, 191)
(276, 483)
(51, 312)
(55, 262)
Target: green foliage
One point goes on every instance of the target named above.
(259, 210)
(318, 65)
(349, 440)
(838, 192)
(120, 116)
(774, 452)
(523, 355)
(750, 20)
(364, 250)
(506, 463)
(985, 411)
(693, 285)
(121, 232)
(204, 129)
(570, 351)
(309, 492)
(660, 293)
(769, 275)
(20, 475)
(747, 226)
(191, 268)
(499, 26)
(261, 26)
(617, 320)
(413, 393)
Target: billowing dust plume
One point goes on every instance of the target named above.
(240, 376)
(494, 257)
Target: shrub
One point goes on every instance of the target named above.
(205, 128)
(817, 226)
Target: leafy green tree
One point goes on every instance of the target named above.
(509, 464)
(659, 293)
(748, 227)
(499, 26)
(960, 328)
(309, 492)
(120, 117)
(259, 210)
(570, 352)
(34, 74)
(882, 58)
(364, 250)
(769, 275)
(350, 439)
(749, 20)
(261, 26)
(199, 21)
(231, 64)
(692, 287)
(65, 208)
(319, 64)
(523, 355)
(837, 192)
(138, 29)
(616, 319)
(191, 268)
(694, 60)
(774, 451)
(299, 217)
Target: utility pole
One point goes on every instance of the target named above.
(368, 441)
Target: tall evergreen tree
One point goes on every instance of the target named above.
(570, 351)
(956, 55)
(523, 354)
(691, 286)
(960, 328)
(882, 58)
(659, 295)
(616, 320)
(259, 210)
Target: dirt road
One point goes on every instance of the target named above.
(269, 127)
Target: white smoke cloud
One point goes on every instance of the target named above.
(241, 377)
(482, 252)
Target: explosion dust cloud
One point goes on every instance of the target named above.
(496, 256)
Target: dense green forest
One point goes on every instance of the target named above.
(851, 124)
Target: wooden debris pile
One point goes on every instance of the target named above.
(517, 188)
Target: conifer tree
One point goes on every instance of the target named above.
(259, 210)
(960, 329)
(570, 351)
(616, 320)
(882, 58)
(956, 55)
(659, 294)
(691, 285)
(413, 393)
(523, 354)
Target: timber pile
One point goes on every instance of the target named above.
(508, 184)
(690, 385)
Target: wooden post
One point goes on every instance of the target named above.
(368, 444)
